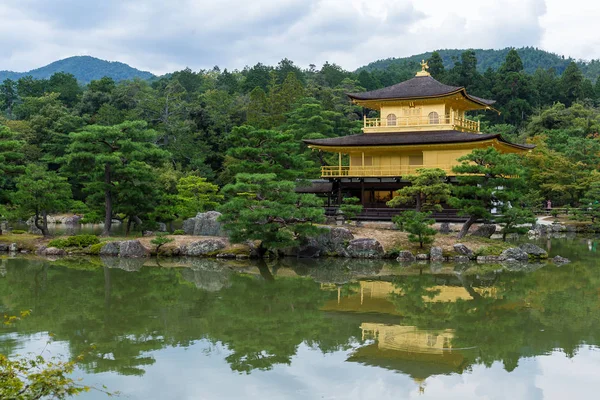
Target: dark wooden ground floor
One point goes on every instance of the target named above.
(373, 193)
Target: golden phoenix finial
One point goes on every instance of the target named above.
(424, 68)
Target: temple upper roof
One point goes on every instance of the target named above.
(419, 87)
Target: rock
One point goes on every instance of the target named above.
(71, 220)
(202, 247)
(162, 227)
(13, 248)
(463, 250)
(462, 259)
(445, 228)
(132, 249)
(226, 256)
(406, 256)
(147, 233)
(365, 248)
(533, 250)
(309, 250)
(490, 259)
(422, 257)
(3, 247)
(204, 224)
(560, 260)
(110, 249)
(335, 241)
(515, 253)
(436, 254)
(53, 251)
(485, 230)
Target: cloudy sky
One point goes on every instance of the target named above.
(162, 36)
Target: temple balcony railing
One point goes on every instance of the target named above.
(379, 171)
(425, 123)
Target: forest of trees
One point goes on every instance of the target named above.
(146, 151)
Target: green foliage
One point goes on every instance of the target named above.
(266, 208)
(516, 220)
(95, 248)
(426, 190)
(160, 240)
(194, 195)
(418, 226)
(18, 232)
(178, 232)
(79, 241)
(351, 207)
(486, 179)
(40, 192)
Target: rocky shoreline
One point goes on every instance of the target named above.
(206, 238)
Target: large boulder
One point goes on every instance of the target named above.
(334, 241)
(436, 254)
(463, 250)
(406, 256)
(53, 251)
(515, 253)
(485, 230)
(534, 251)
(13, 247)
(202, 247)
(204, 224)
(110, 249)
(132, 249)
(71, 220)
(365, 248)
(3, 247)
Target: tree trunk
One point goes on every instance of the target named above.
(265, 272)
(466, 226)
(128, 227)
(107, 201)
(44, 225)
(418, 208)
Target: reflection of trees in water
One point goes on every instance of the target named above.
(127, 315)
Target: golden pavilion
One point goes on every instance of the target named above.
(422, 123)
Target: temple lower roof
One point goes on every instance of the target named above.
(410, 138)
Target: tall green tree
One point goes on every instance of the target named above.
(112, 160)
(436, 65)
(8, 96)
(571, 84)
(39, 193)
(262, 151)
(264, 207)
(487, 179)
(426, 190)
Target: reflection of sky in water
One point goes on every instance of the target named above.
(201, 372)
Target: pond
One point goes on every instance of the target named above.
(314, 329)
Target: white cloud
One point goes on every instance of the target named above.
(162, 36)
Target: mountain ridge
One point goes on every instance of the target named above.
(84, 68)
(532, 58)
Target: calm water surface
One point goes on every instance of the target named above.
(326, 329)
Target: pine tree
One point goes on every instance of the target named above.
(426, 190)
(486, 179)
(436, 65)
(114, 163)
(571, 84)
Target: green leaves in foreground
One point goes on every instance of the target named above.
(265, 208)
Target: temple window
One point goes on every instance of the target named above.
(434, 118)
(391, 120)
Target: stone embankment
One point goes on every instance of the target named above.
(205, 237)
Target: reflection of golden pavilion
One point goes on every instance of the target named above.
(374, 296)
(408, 338)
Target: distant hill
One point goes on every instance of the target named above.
(532, 59)
(84, 68)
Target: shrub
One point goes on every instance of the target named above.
(160, 240)
(79, 241)
(95, 248)
(18, 231)
(58, 243)
(178, 232)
